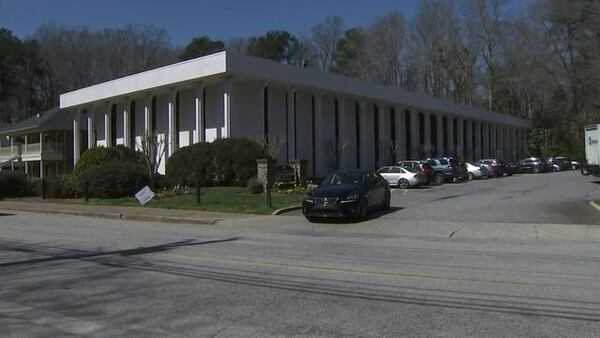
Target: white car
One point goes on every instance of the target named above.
(403, 178)
(477, 171)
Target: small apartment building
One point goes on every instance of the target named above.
(329, 120)
(40, 146)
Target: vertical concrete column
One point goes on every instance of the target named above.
(126, 123)
(291, 110)
(477, 145)
(91, 127)
(439, 130)
(227, 92)
(415, 137)
(107, 129)
(500, 135)
(199, 114)
(450, 136)
(322, 151)
(486, 140)
(400, 134)
(459, 138)
(366, 136)
(12, 153)
(41, 155)
(427, 146)
(148, 116)
(76, 137)
(494, 141)
(173, 132)
(385, 138)
(470, 152)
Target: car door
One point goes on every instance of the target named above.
(395, 175)
(385, 173)
(374, 189)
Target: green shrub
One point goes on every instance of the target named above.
(254, 186)
(113, 179)
(190, 163)
(99, 155)
(59, 186)
(15, 184)
(235, 160)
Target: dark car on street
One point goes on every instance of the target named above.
(559, 164)
(347, 194)
(443, 165)
(499, 167)
(533, 165)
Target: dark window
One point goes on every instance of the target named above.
(376, 134)
(433, 133)
(421, 129)
(153, 114)
(312, 117)
(464, 140)
(266, 112)
(287, 127)
(384, 170)
(393, 125)
(357, 131)
(396, 170)
(113, 125)
(337, 133)
(407, 133)
(445, 134)
(455, 133)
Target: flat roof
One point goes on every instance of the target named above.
(223, 63)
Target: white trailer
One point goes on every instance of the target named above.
(592, 150)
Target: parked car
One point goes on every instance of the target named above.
(533, 165)
(477, 171)
(347, 194)
(403, 178)
(499, 167)
(559, 164)
(433, 177)
(459, 169)
(442, 165)
(569, 163)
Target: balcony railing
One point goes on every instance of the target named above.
(31, 149)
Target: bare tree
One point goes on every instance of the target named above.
(154, 149)
(324, 40)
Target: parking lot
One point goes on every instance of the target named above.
(557, 197)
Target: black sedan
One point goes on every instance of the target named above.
(347, 194)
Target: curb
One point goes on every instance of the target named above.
(148, 218)
(283, 210)
(595, 205)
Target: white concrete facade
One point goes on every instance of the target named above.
(329, 120)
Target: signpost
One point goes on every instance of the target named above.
(145, 195)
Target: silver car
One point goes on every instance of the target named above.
(403, 178)
(477, 171)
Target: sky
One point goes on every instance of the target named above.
(185, 19)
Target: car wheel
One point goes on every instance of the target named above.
(363, 209)
(403, 183)
(471, 176)
(387, 202)
(438, 179)
(310, 219)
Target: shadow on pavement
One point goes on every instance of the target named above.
(372, 216)
(75, 255)
(4, 214)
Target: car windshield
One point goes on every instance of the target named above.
(443, 162)
(344, 178)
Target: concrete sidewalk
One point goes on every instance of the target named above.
(117, 212)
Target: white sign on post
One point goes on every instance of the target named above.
(145, 195)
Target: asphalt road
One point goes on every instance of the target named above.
(517, 271)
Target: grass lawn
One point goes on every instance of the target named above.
(226, 199)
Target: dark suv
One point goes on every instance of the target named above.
(443, 165)
(433, 177)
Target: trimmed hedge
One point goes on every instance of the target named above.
(15, 184)
(190, 163)
(235, 160)
(100, 155)
(222, 162)
(113, 179)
